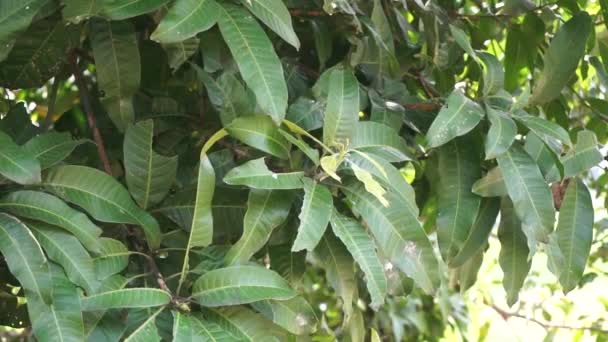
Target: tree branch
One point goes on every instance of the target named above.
(86, 105)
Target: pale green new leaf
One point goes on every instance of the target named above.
(126, 298)
(114, 258)
(457, 205)
(25, 258)
(47, 208)
(255, 174)
(398, 234)
(562, 58)
(513, 258)
(256, 59)
(266, 210)
(275, 15)
(584, 156)
(371, 185)
(294, 315)
(149, 175)
(261, 133)
(501, 134)
(457, 117)
(491, 185)
(118, 67)
(531, 196)
(546, 130)
(185, 19)
(124, 9)
(101, 196)
(342, 109)
(380, 140)
(51, 148)
(244, 324)
(314, 215)
(65, 250)
(362, 248)
(574, 233)
(240, 284)
(146, 331)
(17, 163)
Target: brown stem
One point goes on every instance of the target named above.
(306, 13)
(86, 105)
(421, 106)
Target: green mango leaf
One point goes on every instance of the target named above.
(491, 185)
(51, 148)
(310, 152)
(314, 215)
(479, 233)
(121, 9)
(114, 258)
(546, 130)
(330, 165)
(118, 67)
(25, 258)
(457, 117)
(101, 196)
(386, 112)
(306, 113)
(147, 330)
(256, 59)
(185, 19)
(371, 185)
(339, 269)
(294, 315)
(16, 163)
(363, 250)
(380, 140)
(493, 76)
(192, 328)
(275, 15)
(240, 284)
(463, 40)
(531, 196)
(149, 175)
(261, 133)
(468, 272)
(244, 324)
(514, 253)
(342, 109)
(501, 134)
(75, 11)
(179, 53)
(65, 250)
(266, 210)
(255, 174)
(544, 157)
(457, 205)
(584, 156)
(15, 17)
(126, 298)
(62, 320)
(574, 233)
(290, 265)
(561, 59)
(398, 234)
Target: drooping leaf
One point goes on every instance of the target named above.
(295, 315)
(114, 258)
(457, 117)
(514, 251)
(314, 215)
(101, 196)
(342, 109)
(275, 15)
(244, 324)
(544, 157)
(255, 174)
(457, 205)
(501, 134)
(65, 250)
(363, 250)
(468, 272)
(120, 9)
(261, 133)
(532, 199)
(185, 19)
(463, 40)
(562, 57)
(147, 330)
(256, 59)
(51, 148)
(491, 185)
(371, 184)
(126, 298)
(584, 155)
(493, 76)
(574, 233)
(118, 67)
(16, 163)
(149, 175)
(480, 231)
(266, 209)
(380, 140)
(545, 129)
(240, 284)
(398, 234)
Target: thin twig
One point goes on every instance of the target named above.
(306, 13)
(86, 104)
(546, 325)
(421, 106)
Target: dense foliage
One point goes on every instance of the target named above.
(198, 169)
